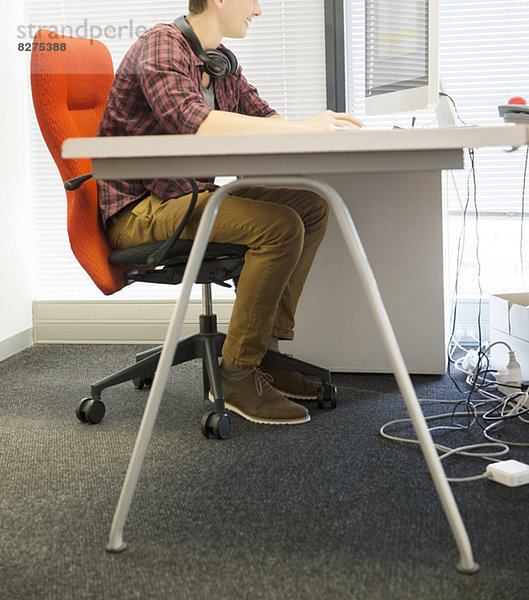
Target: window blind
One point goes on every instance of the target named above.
(484, 48)
(283, 55)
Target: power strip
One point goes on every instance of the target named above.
(509, 472)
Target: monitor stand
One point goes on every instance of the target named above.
(446, 115)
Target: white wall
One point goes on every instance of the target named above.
(16, 240)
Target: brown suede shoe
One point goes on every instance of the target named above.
(256, 400)
(291, 383)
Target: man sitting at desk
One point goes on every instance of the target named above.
(179, 79)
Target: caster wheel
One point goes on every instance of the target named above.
(216, 425)
(139, 383)
(327, 393)
(144, 381)
(90, 411)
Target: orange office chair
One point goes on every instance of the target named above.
(70, 81)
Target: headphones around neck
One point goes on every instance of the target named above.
(217, 63)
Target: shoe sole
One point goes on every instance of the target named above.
(260, 420)
(295, 397)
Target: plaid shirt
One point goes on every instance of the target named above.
(157, 90)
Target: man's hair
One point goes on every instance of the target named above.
(197, 6)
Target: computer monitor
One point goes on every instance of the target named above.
(401, 55)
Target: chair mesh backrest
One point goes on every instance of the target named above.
(70, 89)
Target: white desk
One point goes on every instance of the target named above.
(348, 158)
(391, 183)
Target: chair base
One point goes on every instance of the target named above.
(207, 345)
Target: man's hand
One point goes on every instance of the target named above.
(330, 120)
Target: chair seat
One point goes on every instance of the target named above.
(136, 256)
(221, 263)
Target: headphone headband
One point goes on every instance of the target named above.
(217, 63)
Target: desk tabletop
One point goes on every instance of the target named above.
(336, 142)
(301, 154)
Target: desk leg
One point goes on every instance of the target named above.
(466, 564)
(116, 544)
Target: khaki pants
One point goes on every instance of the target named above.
(282, 228)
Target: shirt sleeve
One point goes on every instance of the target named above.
(250, 103)
(167, 84)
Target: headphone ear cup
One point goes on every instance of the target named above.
(232, 59)
(216, 63)
(220, 63)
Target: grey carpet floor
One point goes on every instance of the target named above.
(324, 510)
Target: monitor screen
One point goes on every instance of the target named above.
(401, 55)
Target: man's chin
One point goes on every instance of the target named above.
(237, 36)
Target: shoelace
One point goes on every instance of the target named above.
(262, 381)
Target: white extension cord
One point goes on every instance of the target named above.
(508, 380)
(511, 375)
(512, 402)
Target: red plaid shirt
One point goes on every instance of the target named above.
(157, 90)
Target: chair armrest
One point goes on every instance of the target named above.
(73, 184)
(157, 258)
